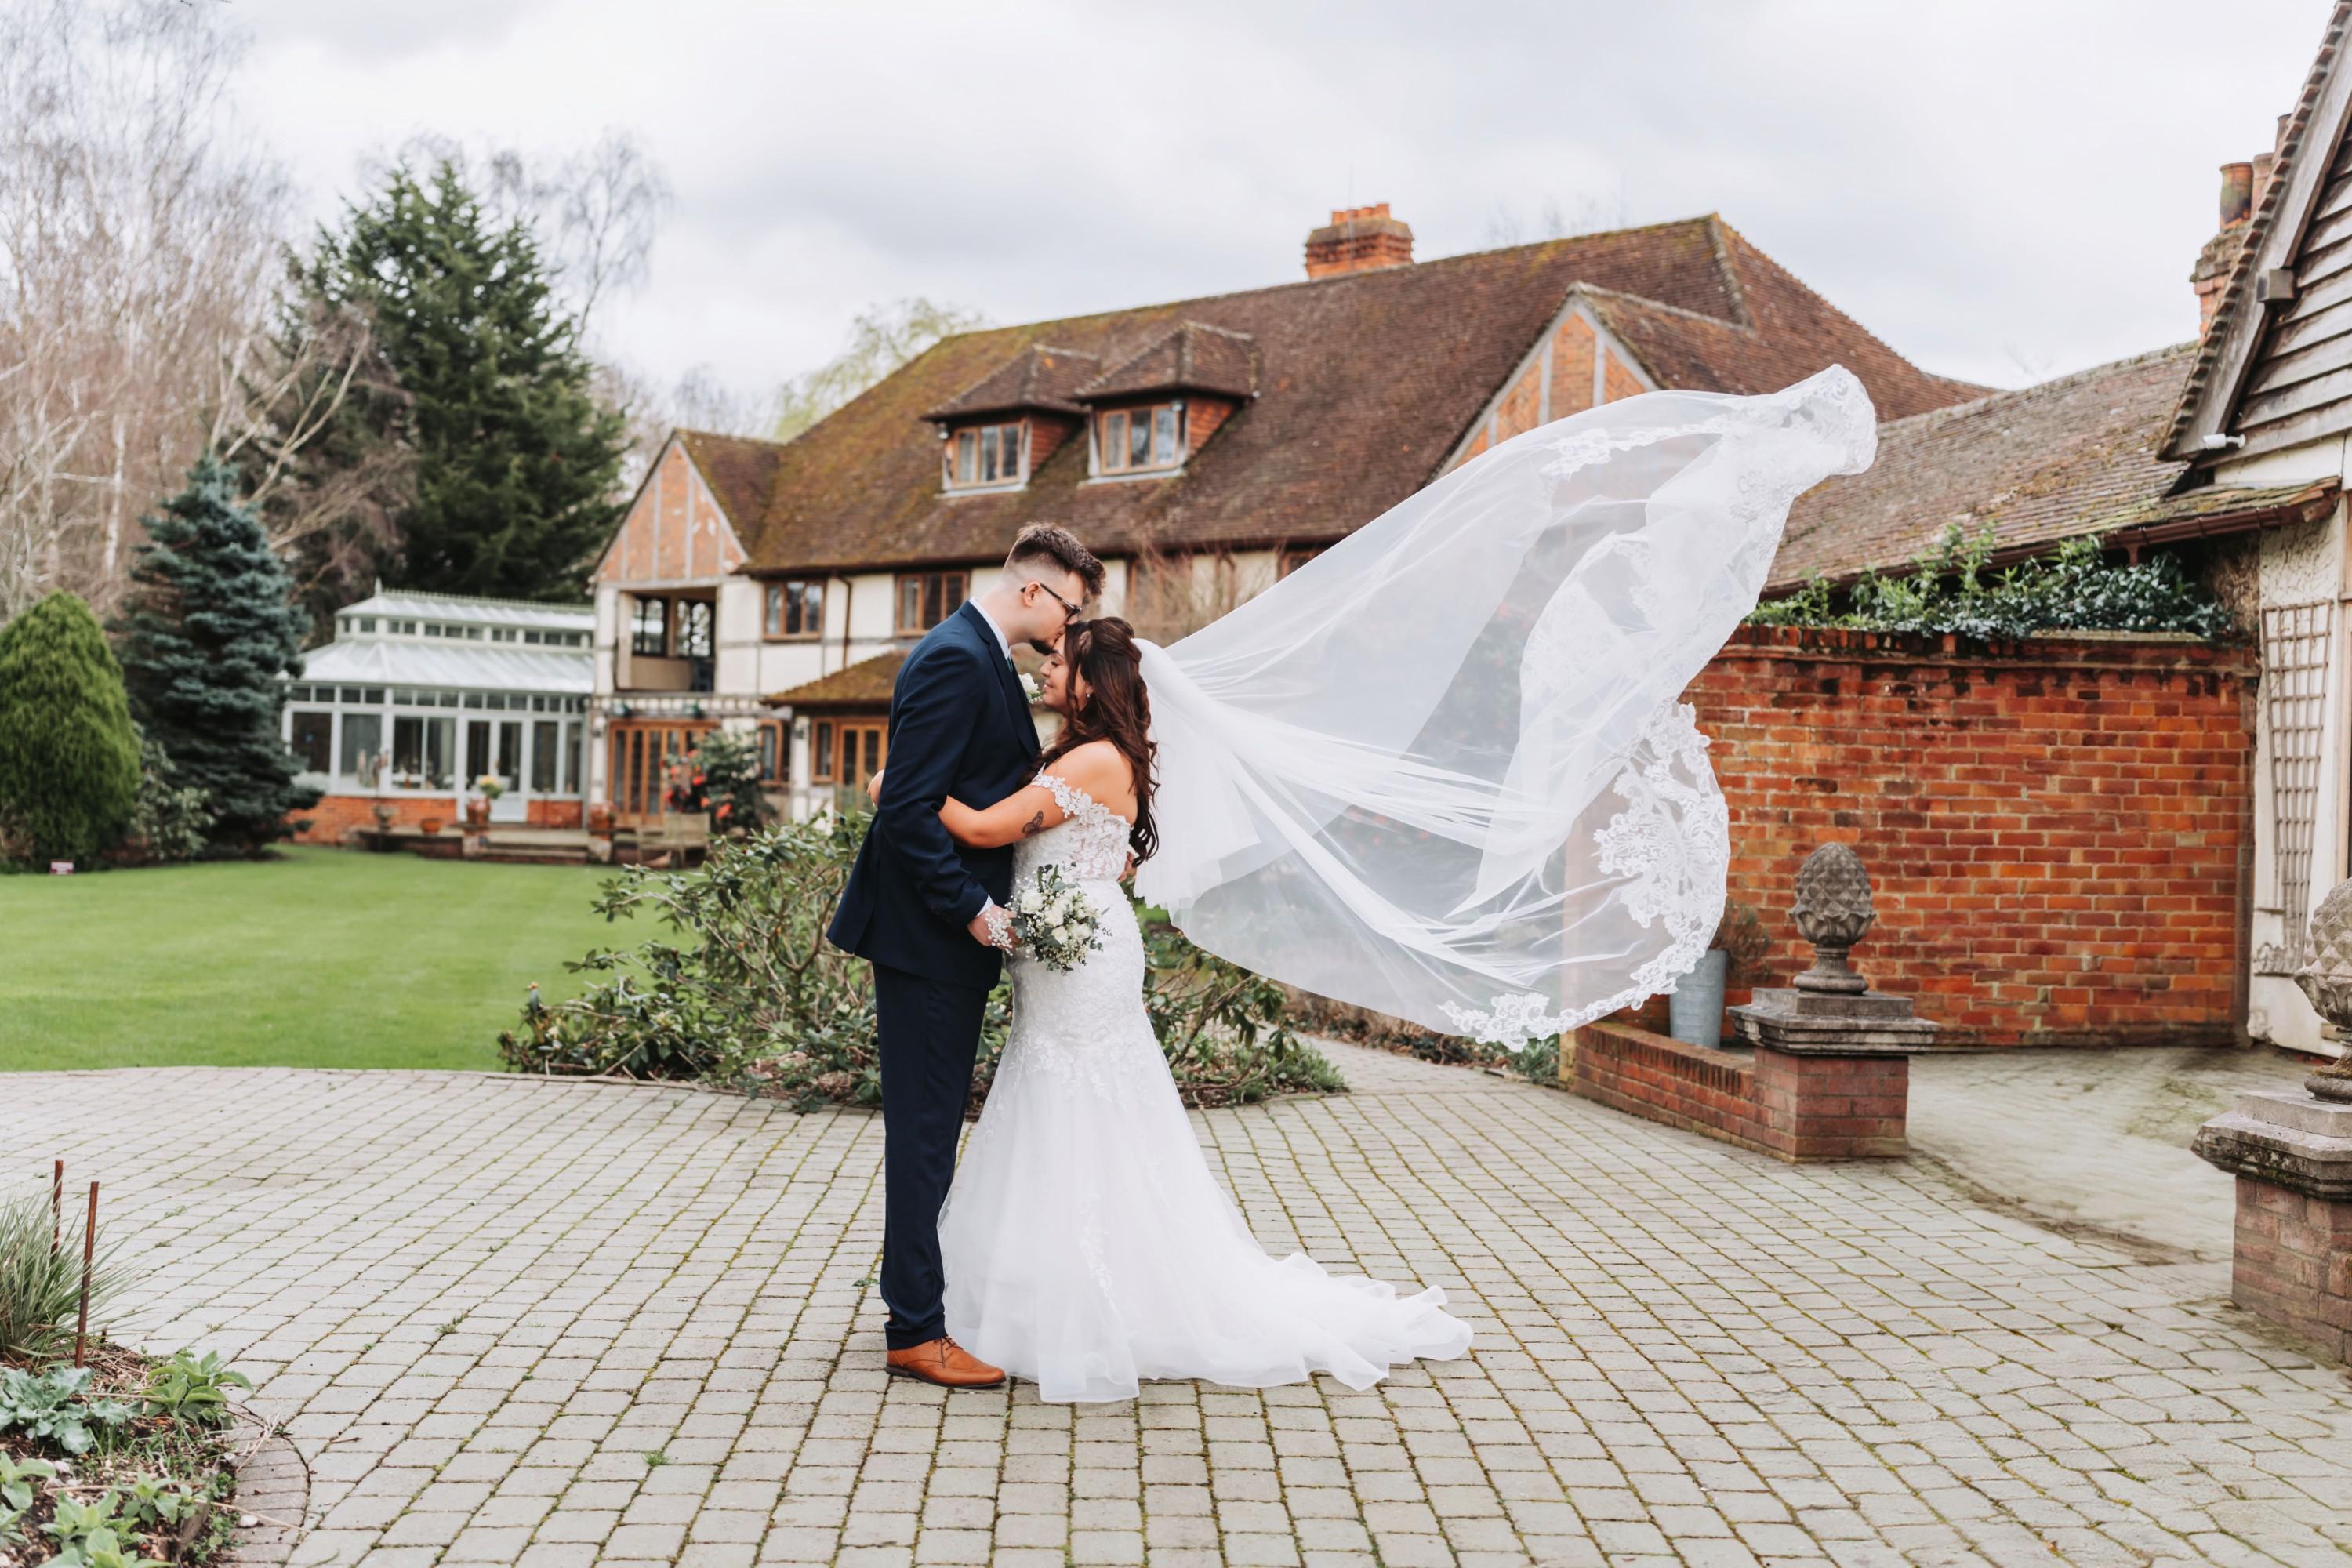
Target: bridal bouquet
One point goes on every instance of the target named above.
(1055, 920)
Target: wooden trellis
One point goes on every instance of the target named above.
(2296, 639)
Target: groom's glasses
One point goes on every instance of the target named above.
(1069, 611)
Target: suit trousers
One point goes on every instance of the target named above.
(930, 1033)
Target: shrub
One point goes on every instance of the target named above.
(2074, 589)
(68, 755)
(755, 998)
(40, 1282)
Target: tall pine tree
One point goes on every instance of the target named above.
(208, 628)
(68, 755)
(516, 459)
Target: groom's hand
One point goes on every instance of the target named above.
(991, 927)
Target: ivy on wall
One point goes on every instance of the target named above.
(1949, 589)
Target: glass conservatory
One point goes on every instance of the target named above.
(420, 696)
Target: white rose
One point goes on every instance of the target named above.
(1029, 903)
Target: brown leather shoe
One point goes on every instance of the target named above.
(945, 1363)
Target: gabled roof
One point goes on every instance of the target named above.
(865, 684)
(740, 469)
(1195, 357)
(375, 661)
(1040, 376)
(2306, 151)
(2070, 458)
(1367, 382)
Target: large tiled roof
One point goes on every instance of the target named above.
(1366, 383)
(2072, 457)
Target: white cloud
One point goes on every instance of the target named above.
(2000, 190)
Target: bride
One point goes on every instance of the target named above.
(1441, 770)
(1087, 1244)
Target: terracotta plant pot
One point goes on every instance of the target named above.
(430, 825)
(477, 812)
(600, 817)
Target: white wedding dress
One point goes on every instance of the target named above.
(1088, 1245)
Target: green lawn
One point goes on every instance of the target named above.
(322, 958)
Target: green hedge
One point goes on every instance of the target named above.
(2075, 588)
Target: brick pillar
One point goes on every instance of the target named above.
(1820, 1107)
(2292, 1263)
(2292, 1258)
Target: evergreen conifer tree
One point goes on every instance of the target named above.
(516, 459)
(207, 630)
(68, 754)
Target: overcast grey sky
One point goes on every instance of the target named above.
(2002, 189)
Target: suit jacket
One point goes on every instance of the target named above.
(959, 726)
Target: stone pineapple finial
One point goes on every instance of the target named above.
(1832, 911)
(2327, 980)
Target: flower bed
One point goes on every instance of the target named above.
(123, 1462)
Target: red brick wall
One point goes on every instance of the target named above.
(2293, 1262)
(337, 814)
(1617, 381)
(2057, 832)
(1521, 405)
(1800, 1108)
(1571, 368)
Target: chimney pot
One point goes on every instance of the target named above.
(1358, 240)
(2237, 193)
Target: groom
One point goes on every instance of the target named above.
(925, 912)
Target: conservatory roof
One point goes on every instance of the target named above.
(367, 661)
(468, 610)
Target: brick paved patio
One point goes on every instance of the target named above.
(512, 1321)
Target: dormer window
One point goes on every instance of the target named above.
(1138, 440)
(985, 455)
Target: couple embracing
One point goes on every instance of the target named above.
(1084, 1242)
(1441, 770)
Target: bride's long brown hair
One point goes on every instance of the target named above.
(1102, 653)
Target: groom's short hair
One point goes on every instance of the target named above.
(1048, 545)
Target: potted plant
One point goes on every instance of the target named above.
(1695, 1005)
(428, 825)
(486, 788)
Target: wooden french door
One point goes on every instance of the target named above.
(845, 752)
(642, 753)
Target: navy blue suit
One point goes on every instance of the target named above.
(959, 726)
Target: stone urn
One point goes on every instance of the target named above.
(478, 810)
(2327, 981)
(383, 814)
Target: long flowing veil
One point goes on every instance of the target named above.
(1441, 770)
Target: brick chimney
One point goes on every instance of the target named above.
(1358, 240)
(2220, 253)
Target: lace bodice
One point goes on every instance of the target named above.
(1089, 842)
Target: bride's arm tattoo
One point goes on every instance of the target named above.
(1034, 826)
